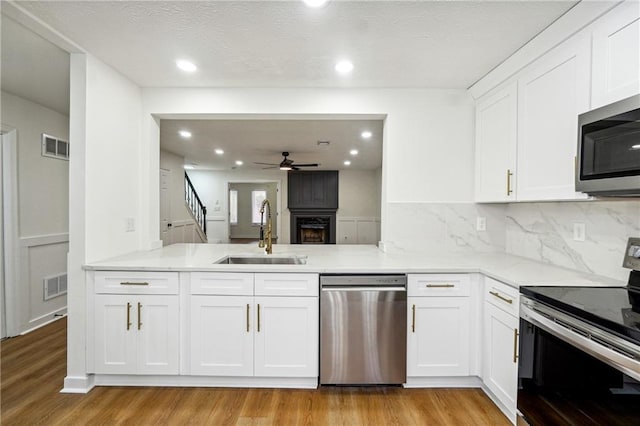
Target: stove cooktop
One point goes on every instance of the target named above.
(615, 309)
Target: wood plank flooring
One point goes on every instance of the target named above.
(33, 368)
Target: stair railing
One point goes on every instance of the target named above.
(198, 210)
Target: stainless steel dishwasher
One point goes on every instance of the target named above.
(363, 329)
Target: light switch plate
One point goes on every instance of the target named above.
(579, 231)
(481, 223)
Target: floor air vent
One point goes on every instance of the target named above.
(55, 286)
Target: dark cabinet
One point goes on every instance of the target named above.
(313, 189)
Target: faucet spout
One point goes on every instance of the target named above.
(265, 236)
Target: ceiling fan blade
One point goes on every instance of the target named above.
(270, 167)
(266, 164)
(307, 165)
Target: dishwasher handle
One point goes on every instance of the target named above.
(363, 288)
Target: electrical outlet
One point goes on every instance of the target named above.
(481, 223)
(579, 231)
(130, 224)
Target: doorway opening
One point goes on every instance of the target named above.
(244, 201)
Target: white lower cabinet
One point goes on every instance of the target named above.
(136, 334)
(500, 354)
(256, 336)
(438, 321)
(438, 343)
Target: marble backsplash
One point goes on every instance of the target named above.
(539, 231)
(544, 232)
(433, 227)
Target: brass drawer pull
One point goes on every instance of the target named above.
(247, 317)
(413, 321)
(139, 315)
(515, 345)
(128, 315)
(509, 175)
(440, 285)
(258, 318)
(133, 283)
(496, 294)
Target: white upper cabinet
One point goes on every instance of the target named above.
(551, 94)
(616, 55)
(496, 133)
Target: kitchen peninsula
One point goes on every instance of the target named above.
(176, 317)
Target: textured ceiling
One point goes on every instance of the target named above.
(264, 140)
(442, 44)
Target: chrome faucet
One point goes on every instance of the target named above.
(261, 243)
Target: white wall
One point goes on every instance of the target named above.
(428, 141)
(43, 210)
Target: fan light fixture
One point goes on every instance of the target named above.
(286, 168)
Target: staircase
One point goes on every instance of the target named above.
(196, 208)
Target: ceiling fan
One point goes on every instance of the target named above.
(286, 164)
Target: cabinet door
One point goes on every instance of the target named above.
(157, 329)
(114, 335)
(551, 94)
(438, 339)
(500, 369)
(616, 55)
(286, 336)
(222, 335)
(496, 134)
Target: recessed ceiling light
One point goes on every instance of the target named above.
(239, 163)
(185, 134)
(188, 166)
(219, 151)
(344, 67)
(347, 163)
(366, 134)
(353, 152)
(186, 66)
(315, 3)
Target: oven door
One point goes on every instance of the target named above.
(565, 376)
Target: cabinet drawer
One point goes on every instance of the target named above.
(501, 295)
(235, 284)
(434, 285)
(133, 282)
(287, 284)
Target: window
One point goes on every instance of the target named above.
(257, 197)
(233, 206)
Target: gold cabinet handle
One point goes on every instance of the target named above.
(133, 283)
(509, 175)
(128, 315)
(440, 285)
(515, 345)
(258, 318)
(247, 317)
(139, 315)
(413, 319)
(496, 294)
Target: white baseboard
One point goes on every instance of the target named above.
(55, 316)
(443, 382)
(206, 381)
(78, 384)
(510, 414)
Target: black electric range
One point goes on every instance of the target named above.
(615, 309)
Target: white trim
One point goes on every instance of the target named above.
(511, 415)
(56, 315)
(10, 230)
(443, 382)
(44, 240)
(78, 384)
(206, 381)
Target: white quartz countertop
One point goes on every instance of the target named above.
(513, 270)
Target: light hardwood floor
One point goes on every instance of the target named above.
(33, 369)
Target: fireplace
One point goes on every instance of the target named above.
(313, 227)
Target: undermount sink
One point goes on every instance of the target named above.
(263, 260)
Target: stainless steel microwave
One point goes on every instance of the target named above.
(609, 149)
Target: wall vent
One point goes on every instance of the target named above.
(55, 286)
(55, 147)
